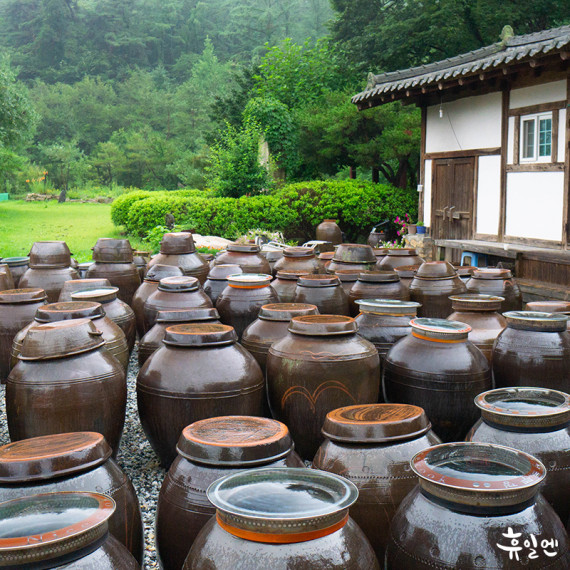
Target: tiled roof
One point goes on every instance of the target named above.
(507, 52)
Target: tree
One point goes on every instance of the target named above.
(65, 163)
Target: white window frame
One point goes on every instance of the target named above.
(536, 118)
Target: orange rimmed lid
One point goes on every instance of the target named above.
(197, 335)
(440, 330)
(235, 441)
(323, 325)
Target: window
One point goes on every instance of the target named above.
(536, 138)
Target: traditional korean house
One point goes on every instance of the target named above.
(495, 157)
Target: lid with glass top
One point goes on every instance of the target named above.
(536, 321)
(440, 330)
(101, 295)
(178, 284)
(284, 312)
(476, 302)
(392, 307)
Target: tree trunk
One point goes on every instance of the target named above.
(352, 172)
(375, 175)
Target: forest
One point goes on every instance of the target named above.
(168, 94)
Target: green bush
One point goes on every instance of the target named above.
(122, 205)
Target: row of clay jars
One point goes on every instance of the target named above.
(66, 381)
(71, 462)
(499, 282)
(111, 333)
(199, 372)
(208, 450)
(18, 266)
(376, 285)
(246, 255)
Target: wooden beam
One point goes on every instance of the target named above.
(517, 141)
(504, 145)
(564, 55)
(532, 63)
(422, 195)
(554, 136)
(566, 195)
(540, 108)
(475, 195)
(462, 153)
(536, 167)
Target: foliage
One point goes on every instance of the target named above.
(123, 204)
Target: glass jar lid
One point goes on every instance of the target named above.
(375, 423)
(318, 280)
(177, 243)
(69, 310)
(243, 247)
(179, 284)
(282, 505)
(26, 295)
(354, 253)
(100, 295)
(439, 330)
(407, 251)
(232, 441)
(158, 271)
(290, 275)
(51, 456)
(284, 312)
(249, 280)
(187, 315)
(530, 408)
(476, 302)
(195, 335)
(323, 325)
(391, 307)
(299, 252)
(436, 270)
(478, 474)
(222, 271)
(378, 277)
(535, 321)
(492, 273)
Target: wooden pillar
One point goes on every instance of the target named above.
(421, 195)
(566, 213)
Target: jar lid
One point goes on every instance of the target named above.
(299, 252)
(60, 340)
(187, 315)
(409, 251)
(198, 335)
(407, 270)
(380, 251)
(392, 307)
(323, 325)
(354, 253)
(50, 254)
(69, 310)
(51, 456)
(465, 269)
(476, 302)
(525, 407)
(15, 261)
(478, 474)
(176, 243)
(157, 272)
(378, 277)
(492, 273)
(440, 330)
(27, 295)
(40, 528)
(221, 272)
(101, 295)
(549, 306)
(85, 265)
(436, 270)
(232, 441)
(284, 312)
(249, 280)
(348, 275)
(112, 250)
(535, 321)
(74, 285)
(290, 275)
(272, 255)
(178, 284)
(282, 505)
(375, 423)
(326, 255)
(318, 280)
(243, 247)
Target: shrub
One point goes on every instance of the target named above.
(122, 205)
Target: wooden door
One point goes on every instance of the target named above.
(452, 198)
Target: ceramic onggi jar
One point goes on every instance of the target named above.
(352, 256)
(328, 230)
(495, 281)
(550, 307)
(6, 279)
(282, 518)
(18, 266)
(74, 285)
(218, 280)
(323, 291)
(299, 259)
(246, 255)
(376, 285)
(285, 284)
(400, 256)
(207, 450)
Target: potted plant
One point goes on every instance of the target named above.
(420, 228)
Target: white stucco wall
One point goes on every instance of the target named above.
(427, 193)
(544, 93)
(470, 123)
(488, 195)
(510, 139)
(534, 205)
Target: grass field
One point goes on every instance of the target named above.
(22, 223)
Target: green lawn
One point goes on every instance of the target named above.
(22, 223)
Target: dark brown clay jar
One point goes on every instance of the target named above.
(534, 350)
(61, 530)
(112, 250)
(178, 249)
(380, 253)
(465, 272)
(285, 284)
(152, 340)
(347, 278)
(17, 309)
(273, 256)
(433, 284)
(282, 525)
(376, 285)
(200, 372)
(328, 230)
(73, 462)
(246, 255)
(149, 286)
(324, 291)
(49, 255)
(271, 325)
(118, 311)
(66, 381)
(437, 368)
(18, 266)
(500, 282)
(124, 276)
(218, 280)
(6, 279)
(536, 421)
(74, 285)
(112, 334)
(399, 257)
(82, 268)
(325, 258)
(480, 312)
(321, 365)
(175, 294)
(208, 450)
(471, 498)
(406, 273)
(550, 307)
(352, 257)
(372, 445)
(241, 300)
(140, 259)
(299, 259)
(51, 280)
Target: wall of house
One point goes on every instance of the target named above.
(544, 93)
(488, 203)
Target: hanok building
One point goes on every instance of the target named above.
(495, 158)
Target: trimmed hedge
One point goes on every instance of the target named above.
(295, 210)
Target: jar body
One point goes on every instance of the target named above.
(178, 386)
(308, 376)
(532, 358)
(124, 317)
(170, 301)
(146, 289)
(476, 537)
(506, 288)
(329, 300)
(309, 264)
(250, 262)
(191, 264)
(335, 265)
(398, 259)
(328, 230)
(345, 549)
(183, 508)
(18, 266)
(214, 288)
(50, 280)
(260, 335)
(284, 289)
(85, 392)
(433, 294)
(366, 290)
(441, 378)
(124, 276)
